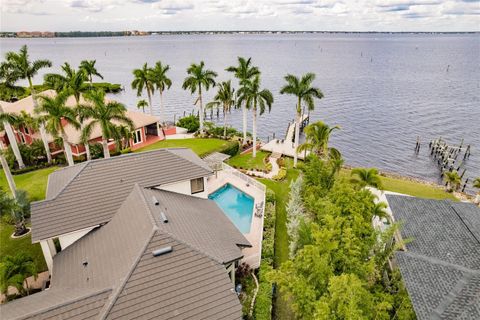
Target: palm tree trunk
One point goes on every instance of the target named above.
(6, 169)
(43, 132)
(254, 129)
(244, 110)
(297, 138)
(106, 151)
(201, 108)
(224, 124)
(67, 150)
(150, 101)
(87, 150)
(162, 110)
(13, 142)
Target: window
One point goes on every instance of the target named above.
(26, 130)
(196, 185)
(137, 136)
(22, 138)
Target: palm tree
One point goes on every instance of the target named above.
(7, 119)
(367, 177)
(6, 169)
(141, 104)
(379, 210)
(27, 70)
(225, 98)
(317, 136)
(452, 180)
(244, 72)
(122, 136)
(476, 184)
(303, 90)
(159, 77)
(54, 113)
(72, 83)
(198, 78)
(252, 96)
(142, 80)
(88, 67)
(103, 114)
(14, 270)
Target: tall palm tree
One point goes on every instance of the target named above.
(141, 104)
(452, 180)
(122, 135)
(7, 119)
(225, 98)
(198, 78)
(54, 113)
(303, 90)
(317, 136)
(142, 80)
(14, 270)
(476, 184)
(367, 177)
(159, 77)
(103, 114)
(72, 82)
(26, 69)
(244, 72)
(88, 67)
(254, 97)
(6, 169)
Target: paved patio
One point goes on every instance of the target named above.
(254, 189)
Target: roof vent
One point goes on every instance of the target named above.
(164, 217)
(155, 201)
(85, 263)
(161, 251)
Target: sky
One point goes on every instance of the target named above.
(292, 15)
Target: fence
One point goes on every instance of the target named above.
(244, 177)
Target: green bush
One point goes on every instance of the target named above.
(281, 175)
(231, 149)
(191, 123)
(270, 196)
(32, 154)
(263, 302)
(217, 131)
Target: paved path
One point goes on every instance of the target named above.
(271, 174)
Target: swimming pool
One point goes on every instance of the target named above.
(236, 205)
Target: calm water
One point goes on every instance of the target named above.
(383, 90)
(237, 205)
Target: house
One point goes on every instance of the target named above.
(441, 264)
(139, 238)
(147, 127)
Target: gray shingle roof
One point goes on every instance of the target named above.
(441, 267)
(186, 283)
(88, 194)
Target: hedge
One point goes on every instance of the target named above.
(263, 302)
(231, 148)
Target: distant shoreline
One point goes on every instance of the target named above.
(135, 33)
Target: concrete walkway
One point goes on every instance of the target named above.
(271, 174)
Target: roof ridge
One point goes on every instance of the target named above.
(439, 262)
(169, 150)
(450, 204)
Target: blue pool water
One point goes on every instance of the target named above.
(237, 205)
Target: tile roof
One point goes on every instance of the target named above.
(441, 265)
(94, 190)
(117, 259)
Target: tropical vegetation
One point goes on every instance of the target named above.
(452, 180)
(225, 98)
(14, 270)
(143, 80)
(161, 81)
(364, 177)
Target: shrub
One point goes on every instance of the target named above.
(270, 196)
(263, 302)
(32, 154)
(191, 123)
(96, 151)
(231, 149)
(281, 174)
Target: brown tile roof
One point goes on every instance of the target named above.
(95, 191)
(185, 283)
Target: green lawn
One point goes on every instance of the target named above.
(246, 161)
(201, 147)
(9, 246)
(34, 182)
(412, 188)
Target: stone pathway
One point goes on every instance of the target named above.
(271, 174)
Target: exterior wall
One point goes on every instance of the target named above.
(67, 239)
(184, 187)
(49, 252)
(144, 136)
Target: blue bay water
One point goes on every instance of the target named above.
(384, 90)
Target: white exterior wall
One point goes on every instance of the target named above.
(69, 238)
(49, 252)
(184, 187)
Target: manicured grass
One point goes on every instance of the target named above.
(246, 161)
(199, 146)
(412, 188)
(9, 246)
(34, 182)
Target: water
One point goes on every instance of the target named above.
(237, 205)
(383, 90)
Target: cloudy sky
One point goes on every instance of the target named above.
(343, 15)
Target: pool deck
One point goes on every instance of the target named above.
(252, 255)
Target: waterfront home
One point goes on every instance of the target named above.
(138, 237)
(147, 127)
(441, 265)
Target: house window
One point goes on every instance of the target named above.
(22, 138)
(196, 185)
(137, 136)
(26, 130)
